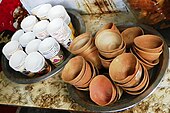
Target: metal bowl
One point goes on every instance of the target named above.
(18, 77)
(126, 101)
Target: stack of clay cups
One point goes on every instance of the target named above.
(103, 92)
(109, 44)
(79, 72)
(129, 34)
(108, 26)
(83, 45)
(133, 77)
(148, 49)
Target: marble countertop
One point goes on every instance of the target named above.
(52, 93)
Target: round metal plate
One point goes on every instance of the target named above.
(18, 77)
(126, 101)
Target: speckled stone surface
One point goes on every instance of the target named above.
(53, 93)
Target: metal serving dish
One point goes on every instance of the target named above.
(18, 77)
(126, 101)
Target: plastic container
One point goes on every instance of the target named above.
(51, 50)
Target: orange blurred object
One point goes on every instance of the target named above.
(152, 12)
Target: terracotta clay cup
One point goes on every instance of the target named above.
(108, 41)
(114, 28)
(135, 80)
(80, 43)
(102, 91)
(86, 76)
(115, 53)
(142, 84)
(149, 43)
(94, 58)
(111, 26)
(130, 34)
(150, 57)
(146, 63)
(91, 54)
(90, 49)
(83, 45)
(85, 87)
(105, 61)
(107, 26)
(141, 87)
(119, 91)
(122, 66)
(74, 70)
(129, 77)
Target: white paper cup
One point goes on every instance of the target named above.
(34, 62)
(58, 29)
(49, 47)
(17, 35)
(17, 60)
(10, 48)
(35, 9)
(40, 29)
(26, 38)
(51, 50)
(41, 11)
(28, 23)
(58, 11)
(32, 46)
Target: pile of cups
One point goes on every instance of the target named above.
(126, 71)
(84, 46)
(83, 75)
(41, 33)
(109, 43)
(148, 49)
(47, 20)
(129, 34)
(125, 57)
(80, 72)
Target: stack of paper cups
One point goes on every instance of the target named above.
(58, 29)
(58, 11)
(51, 50)
(40, 29)
(36, 63)
(17, 34)
(32, 46)
(17, 60)
(41, 11)
(28, 23)
(10, 48)
(26, 38)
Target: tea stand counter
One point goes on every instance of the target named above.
(52, 93)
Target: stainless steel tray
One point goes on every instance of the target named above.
(18, 77)
(126, 101)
